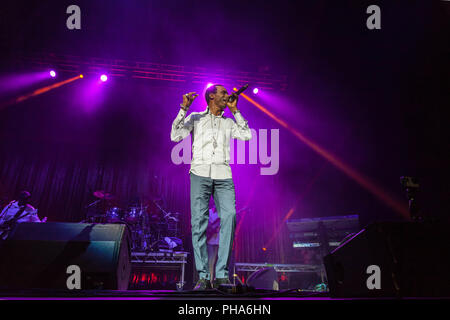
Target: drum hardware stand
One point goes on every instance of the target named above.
(411, 186)
(147, 229)
(167, 215)
(93, 203)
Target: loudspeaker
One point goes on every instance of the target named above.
(265, 278)
(392, 259)
(38, 255)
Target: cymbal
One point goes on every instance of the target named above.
(102, 194)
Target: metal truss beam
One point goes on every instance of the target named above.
(150, 71)
(159, 257)
(252, 267)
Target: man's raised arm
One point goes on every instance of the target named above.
(240, 129)
(182, 126)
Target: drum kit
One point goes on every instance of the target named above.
(149, 224)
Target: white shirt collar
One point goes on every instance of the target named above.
(207, 111)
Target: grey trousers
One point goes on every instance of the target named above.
(212, 257)
(223, 193)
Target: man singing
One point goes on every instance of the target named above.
(210, 174)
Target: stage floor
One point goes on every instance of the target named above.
(181, 295)
(213, 294)
(210, 304)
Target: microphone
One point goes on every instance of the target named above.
(234, 95)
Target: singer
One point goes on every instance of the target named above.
(210, 175)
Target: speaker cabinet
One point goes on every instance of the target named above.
(38, 255)
(265, 278)
(389, 259)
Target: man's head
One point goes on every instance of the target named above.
(216, 95)
(23, 197)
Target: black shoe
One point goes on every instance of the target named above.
(220, 281)
(203, 284)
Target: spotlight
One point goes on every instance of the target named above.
(255, 91)
(103, 77)
(81, 76)
(52, 73)
(209, 85)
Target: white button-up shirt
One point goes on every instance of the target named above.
(210, 140)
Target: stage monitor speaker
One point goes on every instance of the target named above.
(38, 255)
(392, 259)
(265, 278)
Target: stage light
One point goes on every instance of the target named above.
(52, 73)
(255, 91)
(81, 76)
(103, 77)
(209, 85)
(38, 92)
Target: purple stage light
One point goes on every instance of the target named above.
(103, 77)
(52, 73)
(209, 85)
(255, 91)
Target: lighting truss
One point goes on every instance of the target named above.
(150, 71)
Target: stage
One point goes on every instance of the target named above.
(212, 294)
(296, 152)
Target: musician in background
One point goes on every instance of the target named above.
(210, 174)
(18, 211)
(212, 237)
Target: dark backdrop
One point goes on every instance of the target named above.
(376, 99)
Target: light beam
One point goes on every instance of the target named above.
(358, 177)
